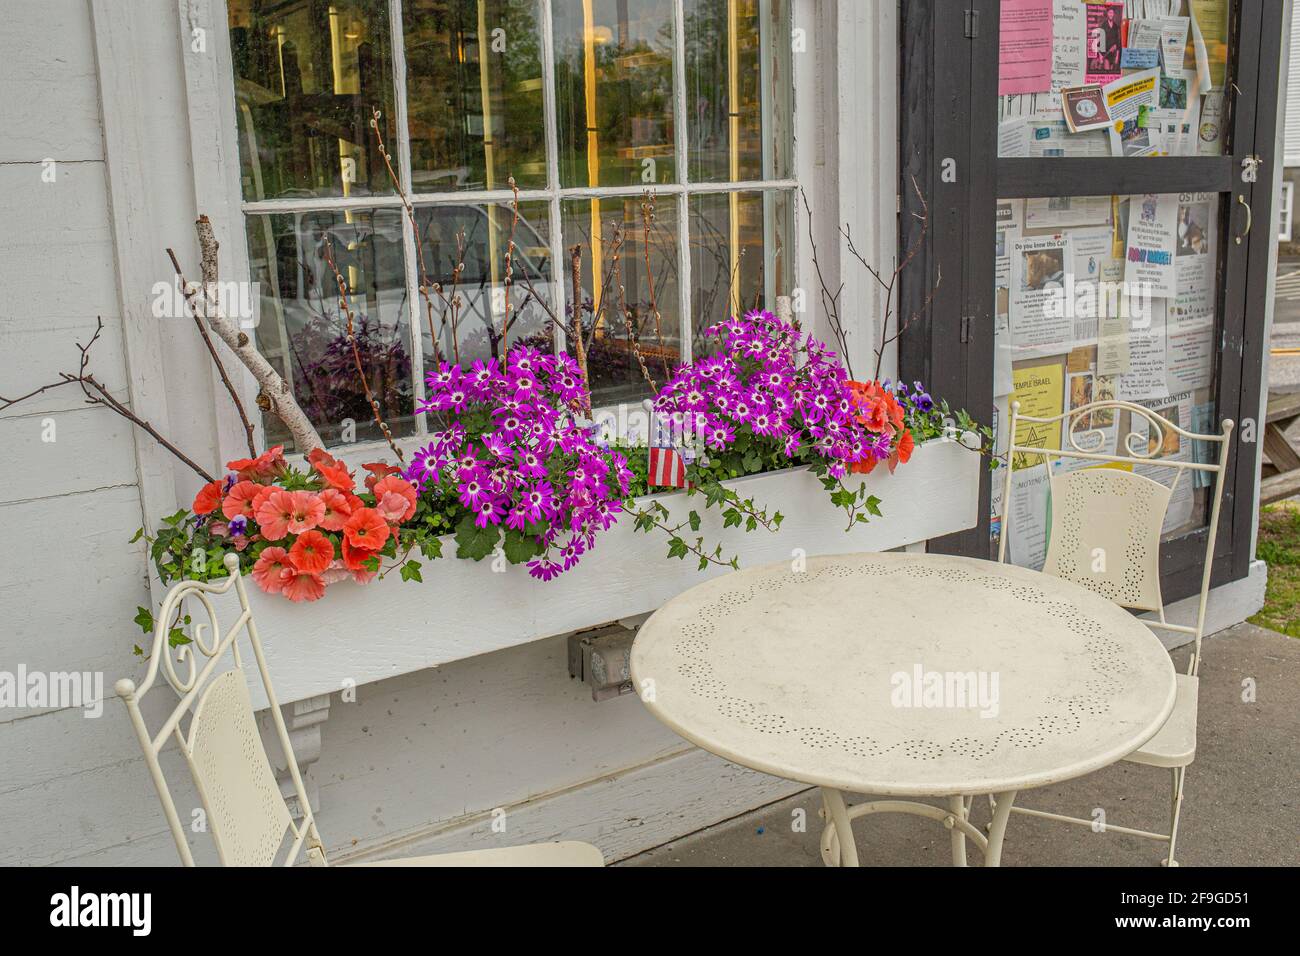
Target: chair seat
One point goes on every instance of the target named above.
(567, 853)
(1175, 744)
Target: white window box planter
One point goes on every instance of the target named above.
(361, 634)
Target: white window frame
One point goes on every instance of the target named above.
(844, 158)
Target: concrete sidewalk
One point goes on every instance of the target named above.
(1240, 807)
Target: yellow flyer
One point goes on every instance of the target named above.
(1040, 389)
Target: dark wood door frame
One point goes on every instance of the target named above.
(948, 112)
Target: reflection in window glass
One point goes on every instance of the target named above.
(1113, 84)
(614, 91)
(735, 51)
(740, 256)
(474, 91)
(303, 331)
(476, 310)
(307, 74)
(632, 314)
(1098, 299)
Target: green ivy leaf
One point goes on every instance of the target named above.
(519, 548)
(474, 542)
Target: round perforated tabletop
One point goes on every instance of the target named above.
(904, 674)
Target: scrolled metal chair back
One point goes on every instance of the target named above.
(1105, 525)
(246, 814)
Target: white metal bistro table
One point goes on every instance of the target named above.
(910, 675)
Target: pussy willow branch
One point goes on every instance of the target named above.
(345, 304)
(450, 304)
(190, 297)
(97, 394)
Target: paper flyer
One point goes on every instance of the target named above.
(1171, 446)
(1066, 212)
(1152, 236)
(1069, 39)
(1053, 138)
(1105, 26)
(1013, 139)
(1090, 253)
(1192, 311)
(1167, 35)
(1025, 47)
(1209, 31)
(1040, 390)
(1039, 321)
(1027, 517)
(1210, 140)
(1125, 98)
(1148, 357)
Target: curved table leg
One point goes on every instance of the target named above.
(833, 801)
(958, 806)
(998, 827)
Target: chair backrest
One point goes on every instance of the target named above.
(246, 813)
(1105, 523)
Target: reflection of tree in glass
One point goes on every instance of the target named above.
(453, 106)
(306, 76)
(633, 96)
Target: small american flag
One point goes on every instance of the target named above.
(667, 470)
(667, 465)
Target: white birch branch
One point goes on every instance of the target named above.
(275, 390)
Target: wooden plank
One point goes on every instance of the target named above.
(1278, 487)
(1283, 406)
(50, 107)
(1279, 450)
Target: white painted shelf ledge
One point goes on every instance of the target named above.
(359, 634)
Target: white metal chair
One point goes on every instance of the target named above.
(248, 818)
(1117, 516)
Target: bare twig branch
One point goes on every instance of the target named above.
(188, 292)
(97, 394)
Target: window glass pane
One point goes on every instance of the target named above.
(1102, 298)
(612, 236)
(303, 331)
(307, 74)
(1079, 79)
(468, 318)
(741, 256)
(736, 51)
(474, 94)
(614, 91)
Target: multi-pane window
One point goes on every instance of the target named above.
(651, 136)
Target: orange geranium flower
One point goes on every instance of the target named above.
(270, 569)
(366, 529)
(354, 558)
(242, 500)
(269, 464)
(288, 512)
(301, 586)
(334, 472)
(337, 509)
(378, 470)
(209, 496)
(312, 552)
(394, 498)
